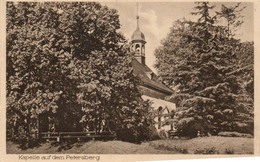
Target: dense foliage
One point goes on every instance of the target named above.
(68, 66)
(212, 73)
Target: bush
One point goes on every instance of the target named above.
(234, 134)
(138, 135)
(190, 129)
(152, 133)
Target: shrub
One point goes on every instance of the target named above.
(191, 128)
(152, 133)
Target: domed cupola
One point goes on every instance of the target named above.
(138, 43)
(138, 35)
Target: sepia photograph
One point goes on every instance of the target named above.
(113, 77)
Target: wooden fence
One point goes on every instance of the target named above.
(78, 135)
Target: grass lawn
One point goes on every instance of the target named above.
(200, 145)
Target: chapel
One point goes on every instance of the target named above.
(151, 88)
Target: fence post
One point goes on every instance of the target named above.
(37, 128)
(58, 138)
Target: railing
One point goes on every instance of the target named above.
(68, 135)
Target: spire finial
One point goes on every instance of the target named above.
(137, 16)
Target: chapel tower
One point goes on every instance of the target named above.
(138, 43)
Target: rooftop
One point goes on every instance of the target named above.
(138, 35)
(152, 82)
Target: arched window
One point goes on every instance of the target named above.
(132, 47)
(137, 48)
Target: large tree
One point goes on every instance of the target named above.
(200, 60)
(68, 64)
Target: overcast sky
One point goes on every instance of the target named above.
(156, 18)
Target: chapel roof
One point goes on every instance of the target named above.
(143, 71)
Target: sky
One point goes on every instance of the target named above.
(156, 18)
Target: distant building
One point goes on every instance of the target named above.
(151, 88)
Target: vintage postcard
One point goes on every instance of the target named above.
(129, 80)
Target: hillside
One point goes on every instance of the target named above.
(201, 145)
